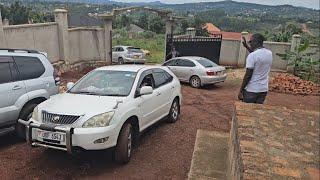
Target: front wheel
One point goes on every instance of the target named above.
(174, 111)
(195, 82)
(123, 149)
(25, 114)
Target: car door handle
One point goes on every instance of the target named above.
(172, 87)
(16, 87)
(158, 93)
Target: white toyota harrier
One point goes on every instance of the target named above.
(108, 107)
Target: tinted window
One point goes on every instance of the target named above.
(206, 62)
(147, 81)
(120, 49)
(185, 63)
(5, 74)
(171, 63)
(161, 77)
(134, 50)
(29, 67)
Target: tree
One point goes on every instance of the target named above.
(156, 24)
(19, 14)
(143, 21)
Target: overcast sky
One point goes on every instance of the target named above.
(305, 3)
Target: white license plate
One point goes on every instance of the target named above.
(51, 136)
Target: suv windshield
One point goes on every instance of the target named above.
(105, 83)
(134, 50)
(206, 62)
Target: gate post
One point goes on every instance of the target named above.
(169, 31)
(242, 51)
(107, 24)
(2, 39)
(295, 43)
(61, 17)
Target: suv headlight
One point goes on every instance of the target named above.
(35, 114)
(100, 120)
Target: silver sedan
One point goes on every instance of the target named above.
(197, 71)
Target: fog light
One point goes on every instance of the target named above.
(102, 140)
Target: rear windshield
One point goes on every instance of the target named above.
(206, 62)
(134, 50)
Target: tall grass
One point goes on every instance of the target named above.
(153, 44)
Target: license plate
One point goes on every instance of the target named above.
(136, 56)
(55, 136)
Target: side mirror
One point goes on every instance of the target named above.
(70, 85)
(145, 90)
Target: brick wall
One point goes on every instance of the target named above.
(269, 142)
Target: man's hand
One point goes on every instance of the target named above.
(240, 96)
(245, 44)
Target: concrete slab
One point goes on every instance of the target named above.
(210, 156)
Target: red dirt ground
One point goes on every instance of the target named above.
(164, 152)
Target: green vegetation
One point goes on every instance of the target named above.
(304, 64)
(153, 43)
(17, 13)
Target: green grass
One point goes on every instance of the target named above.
(154, 45)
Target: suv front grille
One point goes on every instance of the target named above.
(58, 118)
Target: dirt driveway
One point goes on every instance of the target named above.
(164, 151)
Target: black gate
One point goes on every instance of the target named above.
(208, 47)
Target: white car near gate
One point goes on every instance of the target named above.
(108, 107)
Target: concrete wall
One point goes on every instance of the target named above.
(42, 37)
(229, 52)
(278, 47)
(86, 44)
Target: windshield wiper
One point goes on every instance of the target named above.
(84, 92)
(113, 95)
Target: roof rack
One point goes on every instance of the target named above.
(26, 50)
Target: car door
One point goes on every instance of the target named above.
(164, 89)
(11, 89)
(172, 65)
(30, 70)
(147, 104)
(184, 69)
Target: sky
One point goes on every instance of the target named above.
(314, 4)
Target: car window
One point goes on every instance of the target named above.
(120, 49)
(147, 81)
(105, 83)
(134, 50)
(5, 74)
(161, 77)
(206, 62)
(185, 63)
(29, 67)
(171, 63)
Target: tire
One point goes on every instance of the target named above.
(25, 114)
(123, 150)
(174, 113)
(120, 60)
(195, 82)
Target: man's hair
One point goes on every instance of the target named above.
(258, 38)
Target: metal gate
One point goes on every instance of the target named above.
(208, 47)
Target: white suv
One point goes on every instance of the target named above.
(27, 78)
(108, 107)
(128, 54)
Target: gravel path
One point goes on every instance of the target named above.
(164, 151)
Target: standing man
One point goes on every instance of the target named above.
(174, 53)
(254, 87)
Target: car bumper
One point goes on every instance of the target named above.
(213, 79)
(134, 61)
(85, 138)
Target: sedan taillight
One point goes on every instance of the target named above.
(211, 73)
